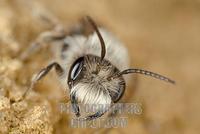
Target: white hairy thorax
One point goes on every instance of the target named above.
(92, 88)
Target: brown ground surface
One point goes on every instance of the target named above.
(162, 36)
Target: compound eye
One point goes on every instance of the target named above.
(76, 68)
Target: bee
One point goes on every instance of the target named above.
(91, 64)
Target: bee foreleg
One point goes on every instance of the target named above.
(43, 73)
(42, 41)
(94, 116)
(75, 106)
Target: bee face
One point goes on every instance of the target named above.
(89, 80)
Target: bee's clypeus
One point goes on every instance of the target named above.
(91, 67)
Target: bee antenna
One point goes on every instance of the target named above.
(144, 72)
(103, 47)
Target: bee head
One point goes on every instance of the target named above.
(90, 80)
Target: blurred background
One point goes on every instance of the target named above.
(161, 36)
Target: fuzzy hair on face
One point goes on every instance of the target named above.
(93, 85)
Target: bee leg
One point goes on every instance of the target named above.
(102, 112)
(43, 73)
(95, 116)
(41, 42)
(75, 106)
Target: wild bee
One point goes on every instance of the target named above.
(91, 64)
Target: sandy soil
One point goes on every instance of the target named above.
(162, 36)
